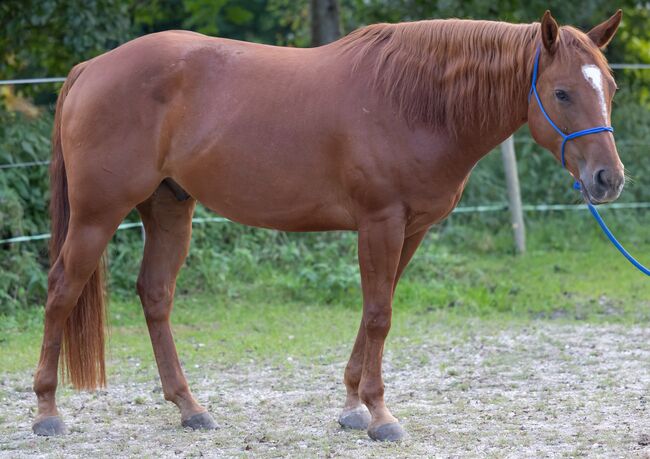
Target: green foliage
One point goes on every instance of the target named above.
(632, 43)
(222, 252)
(443, 284)
(23, 208)
(45, 38)
(23, 191)
(203, 15)
(265, 21)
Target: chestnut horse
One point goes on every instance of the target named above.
(375, 133)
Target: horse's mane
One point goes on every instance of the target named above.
(452, 73)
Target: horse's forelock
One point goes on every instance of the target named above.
(574, 41)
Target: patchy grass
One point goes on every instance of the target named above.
(541, 389)
(261, 321)
(490, 355)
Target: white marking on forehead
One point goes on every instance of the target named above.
(595, 78)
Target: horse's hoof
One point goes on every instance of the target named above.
(49, 426)
(201, 421)
(355, 418)
(392, 431)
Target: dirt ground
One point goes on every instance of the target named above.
(539, 390)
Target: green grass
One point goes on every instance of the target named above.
(278, 315)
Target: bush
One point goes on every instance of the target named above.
(227, 257)
(24, 198)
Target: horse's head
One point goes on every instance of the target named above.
(575, 88)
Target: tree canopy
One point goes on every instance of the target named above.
(47, 37)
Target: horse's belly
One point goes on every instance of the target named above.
(286, 218)
(261, 200)
(315, 217)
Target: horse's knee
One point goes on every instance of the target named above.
(376, 320)
(156, 300)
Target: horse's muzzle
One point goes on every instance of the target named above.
(604, 185)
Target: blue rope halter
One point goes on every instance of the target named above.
(576, 185)
(565, 137)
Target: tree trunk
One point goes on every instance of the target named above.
(325, 26)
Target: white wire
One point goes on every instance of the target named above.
(620, 66)
(458, 210)
(33, 80)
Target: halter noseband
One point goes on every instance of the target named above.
(565, 137)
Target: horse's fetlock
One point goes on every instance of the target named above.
(44, 384)
(176, 395)
(371, 394)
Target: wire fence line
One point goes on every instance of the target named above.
(630, 66)
(617, 66)
(32, 81)
(614, 66)
(519, 140)
(457, 210)
(123, 226)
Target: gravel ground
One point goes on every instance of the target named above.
(541, 390)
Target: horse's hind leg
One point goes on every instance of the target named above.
(168, 227)
(85, 242)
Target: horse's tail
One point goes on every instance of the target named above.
(83, 336)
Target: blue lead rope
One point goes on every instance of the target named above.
(576, 185)
(614, 241)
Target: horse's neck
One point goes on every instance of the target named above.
(478, 139)
(472, 143)
(481, 139)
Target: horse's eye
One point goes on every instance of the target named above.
(561, 95)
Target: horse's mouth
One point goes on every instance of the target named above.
(586, 195)
(597, 200)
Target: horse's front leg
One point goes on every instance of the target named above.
(380, 246)
(355, 415)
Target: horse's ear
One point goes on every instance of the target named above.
(550, 31)
(603, 33)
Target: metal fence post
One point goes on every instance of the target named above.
(514, 195)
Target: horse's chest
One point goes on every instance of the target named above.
(434, 201)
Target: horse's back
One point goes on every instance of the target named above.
(216, 115)
(267, 136)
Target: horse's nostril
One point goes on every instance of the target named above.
(601, 178)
